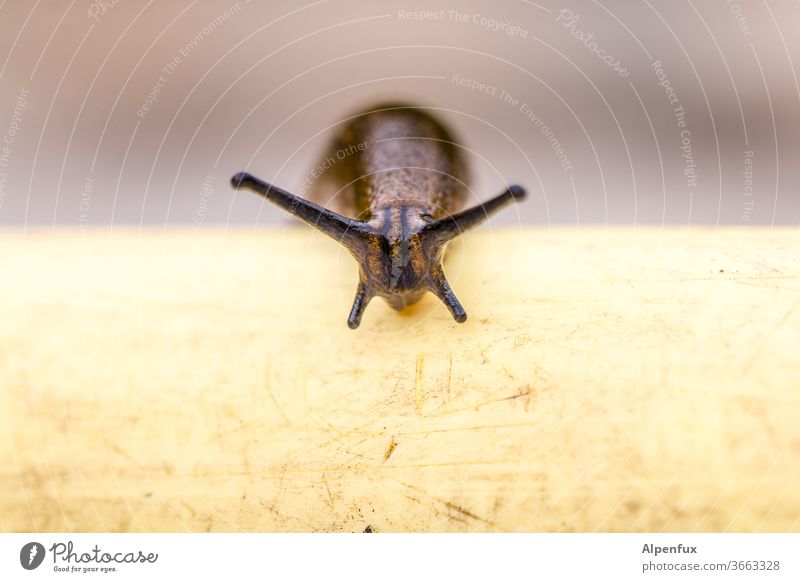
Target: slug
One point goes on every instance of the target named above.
(400, 180)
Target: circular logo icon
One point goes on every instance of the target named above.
(31, 555)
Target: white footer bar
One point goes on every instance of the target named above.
(402, 557)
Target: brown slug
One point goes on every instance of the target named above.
(400, 180)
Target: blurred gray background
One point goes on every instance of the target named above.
(610, 112)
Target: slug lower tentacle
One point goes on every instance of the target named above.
(402, 181)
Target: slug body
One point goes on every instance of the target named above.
(400, 183)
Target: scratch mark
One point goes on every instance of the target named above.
(449, 373)
(449, 514)
(521, 394)
(468, 428)
(724, 280)
(759, 283)
(189, 507)
(766, 266)
(373, 467)
(459, 509)
(328, 489)
(528, 399)
(450, 505)
(390, 450)
(120, 450)
(419, 391)
(285, 517)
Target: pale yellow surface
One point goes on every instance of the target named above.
(617, 380)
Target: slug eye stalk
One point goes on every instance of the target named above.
(347, 231)
(450, 227)
(388, 265)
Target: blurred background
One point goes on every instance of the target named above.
(120, 112)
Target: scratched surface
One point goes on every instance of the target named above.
(206, 381)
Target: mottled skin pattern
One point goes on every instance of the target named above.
(407, 160)
(400, 182)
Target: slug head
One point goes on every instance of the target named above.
(400, 260)
(399, 250)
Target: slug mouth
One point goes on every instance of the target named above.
(368, 246)
(432, 281)
(399, 301)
